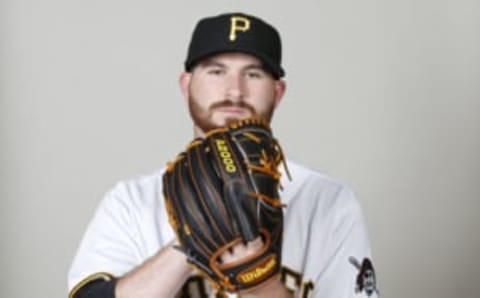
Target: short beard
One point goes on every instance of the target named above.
(203, 118)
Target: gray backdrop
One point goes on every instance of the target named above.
(383, 95)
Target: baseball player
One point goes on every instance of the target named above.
(232, 72)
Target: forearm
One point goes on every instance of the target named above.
(160, 276)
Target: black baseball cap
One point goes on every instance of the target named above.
(236, 32)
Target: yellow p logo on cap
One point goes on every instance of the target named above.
(238, 24)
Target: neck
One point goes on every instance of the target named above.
(197, 132)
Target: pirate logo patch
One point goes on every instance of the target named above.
(366, 281)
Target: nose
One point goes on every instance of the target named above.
(235, 88)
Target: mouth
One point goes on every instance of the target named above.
(233, 110)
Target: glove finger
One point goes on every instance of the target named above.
(232, 169)
(208, 198)
(235, 193)
(189, 220)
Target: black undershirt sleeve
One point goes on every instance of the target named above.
(99, 288)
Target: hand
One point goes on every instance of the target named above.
(241, 251)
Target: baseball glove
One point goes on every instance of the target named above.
(222, 191)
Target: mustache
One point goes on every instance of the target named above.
(228, 103)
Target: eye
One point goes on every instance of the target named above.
(254, 74)
(216, 71)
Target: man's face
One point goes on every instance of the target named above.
(228, 87)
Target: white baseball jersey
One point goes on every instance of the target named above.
(325, 253)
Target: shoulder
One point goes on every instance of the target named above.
(305, 178)
(140, 190)
(317, 189)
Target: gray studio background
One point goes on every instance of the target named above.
(383, 95)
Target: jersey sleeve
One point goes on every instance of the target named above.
(341, 256)
(108, 247)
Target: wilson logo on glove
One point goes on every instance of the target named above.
(259, 272)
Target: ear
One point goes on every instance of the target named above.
(184, 82)
(280, 88)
